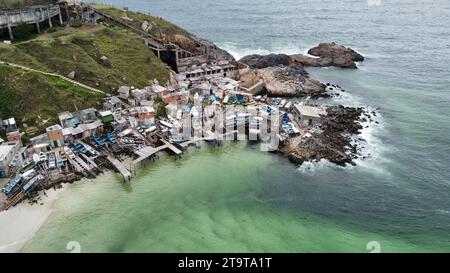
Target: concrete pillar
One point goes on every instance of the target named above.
(21, 17)
(42, 13)
(37, 22)
(9, 27)
(67, 12)
(60, 16)
(49, 18)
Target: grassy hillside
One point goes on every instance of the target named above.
(160, 26)
(103, 56)
(33, 98)
(129, 61)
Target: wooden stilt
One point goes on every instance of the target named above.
(60, 17)
(9, 27)
(37, 22)
(49, 18)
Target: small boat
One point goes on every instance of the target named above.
(165, 123)
(51, 161)
(80, 148)
(12, 186)
(42, 157)
(32, 183)
(69, 152)
(98, 140)
(177, 139)
(111, 138)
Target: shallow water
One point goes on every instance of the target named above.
(232, 199)
(238, 199)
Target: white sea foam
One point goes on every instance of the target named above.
(310, 167)
(239, 51)
(371, 147)
(372, 150)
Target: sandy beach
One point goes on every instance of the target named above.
(19, 224)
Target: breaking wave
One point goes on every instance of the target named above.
(239, 51)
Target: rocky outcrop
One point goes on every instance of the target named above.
(290, 81)
(182, 41)
(282, 81)
(332, 141)
(327, 54)
(263, 61)
(333, 50)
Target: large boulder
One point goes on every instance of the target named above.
(325, 54)
(290, 81)
(334, 51)
(263, 61)
(329, 54)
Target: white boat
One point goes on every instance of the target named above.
(89, 148)
(151, 129)
(42, 157)
(29, 174)
(69, 152)
(51, 161)
(36, 158)
(165, 123)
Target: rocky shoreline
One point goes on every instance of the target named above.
(325, 55)
(332, 141)
(285, 76)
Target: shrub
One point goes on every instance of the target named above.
(76, 23)
(23, 31)
(51, 30)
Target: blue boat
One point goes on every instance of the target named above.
(285, 118)
(111, 138)
(80, 148)
(30, 185)
(98, 140)
(12, 186)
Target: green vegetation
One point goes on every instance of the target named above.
(23, 32)
(103, 56)
(159, 25)
(76, 23)
(35, 99)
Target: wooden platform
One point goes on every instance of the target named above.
(120, 167)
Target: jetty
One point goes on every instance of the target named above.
(119, 167)
(149, 151)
